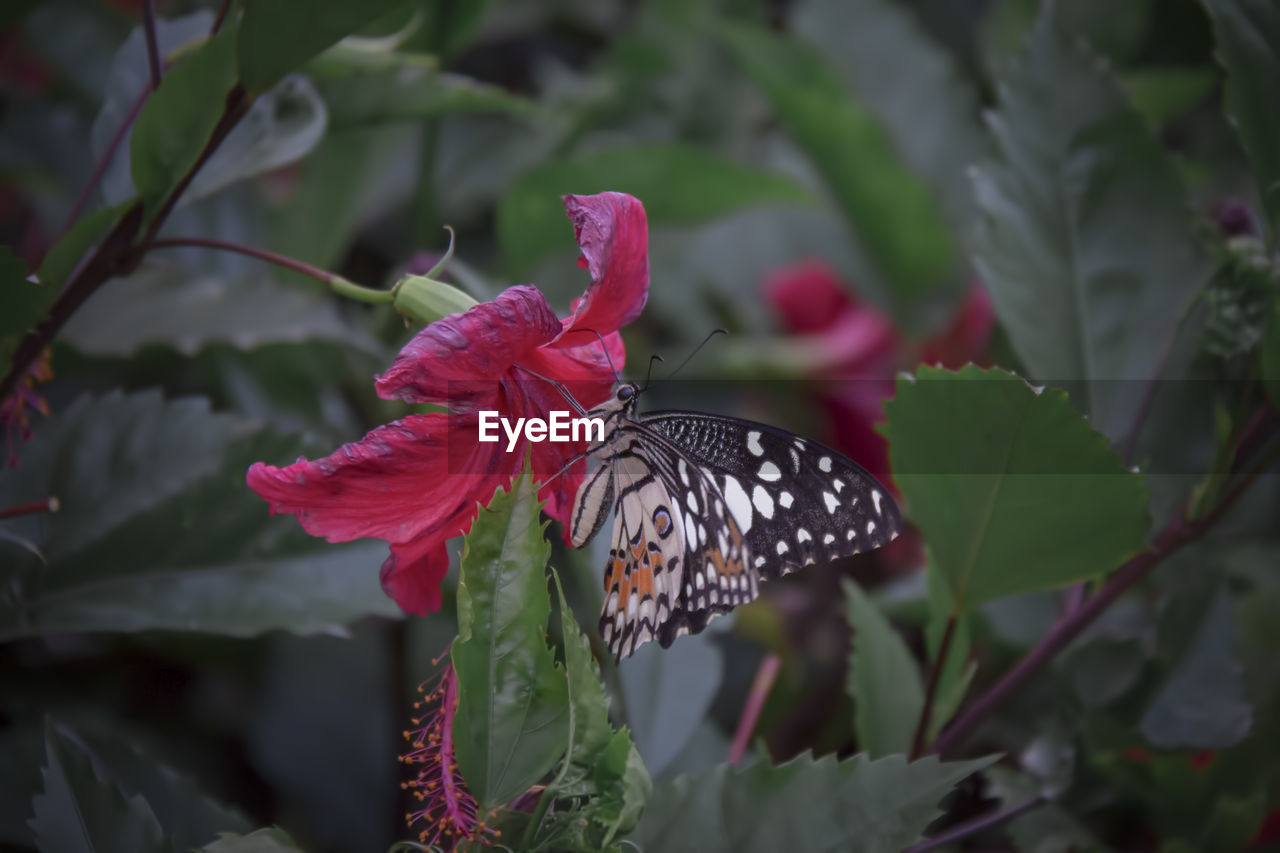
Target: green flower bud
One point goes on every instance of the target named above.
(425, 300)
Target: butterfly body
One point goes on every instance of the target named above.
(707, 507)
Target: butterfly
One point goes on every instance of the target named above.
(707, 507)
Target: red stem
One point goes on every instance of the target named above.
(931, 691)
(251, 251)
(765, 675)
(100, 167)
(153, 47)
(1173, 536)
(973, 827)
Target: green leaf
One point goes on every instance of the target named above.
(171, 304)
(679, 185)
(268, 840)
(1002, 479)
(158, 530)
(1048, 828)
(598, 764)
(1248, 40)
(856, 805)
(24, 303)
(79, 810)
(1163, 94)
(277, 36)
(511, 722)
(668, 695)
(1104, 669)
(958, 670)
(1202, 704)
(911, 83)
(589, 729)
(893, 213)
(1083, 219)
(415, 92)
(179, 118)
(281, 125)
(60, 261)
(884, 679)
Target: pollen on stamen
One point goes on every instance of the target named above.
(448, 813)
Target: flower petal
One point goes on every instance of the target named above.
(613, 233)
(965, 340)
(454, 360)
(808, 296)
(401, 483)
(412, 575)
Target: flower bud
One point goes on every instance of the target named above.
(425, 300)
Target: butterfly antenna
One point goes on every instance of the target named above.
(616, 376)
(559, 386)
(649, 373)
(697, 349)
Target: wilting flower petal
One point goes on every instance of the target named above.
(456, 361)
(417, 482)
(613, 233)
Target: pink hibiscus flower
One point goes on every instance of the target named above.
(860, 351)
(416, 482)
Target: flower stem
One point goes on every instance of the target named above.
(1179, 532)
(117, 253)
(100, 167)
(336, 283)
(153, 47)
(766, 673)
(931, 691)
(973, 827)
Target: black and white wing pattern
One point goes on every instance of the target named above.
(796, 501)
(706, 507)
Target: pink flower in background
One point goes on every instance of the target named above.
(416, 482)
(859, 350)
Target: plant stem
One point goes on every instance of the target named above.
(117, 253)
(153, 47)
(1177, 533)
(760, 687)
(336, 283)
(100, 167)
(223, 8)
(535, 820)
(972, 827)
(931, 691)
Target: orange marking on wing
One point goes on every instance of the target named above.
(612, 572)
(643, 583)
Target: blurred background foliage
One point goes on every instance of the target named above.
(799, 160)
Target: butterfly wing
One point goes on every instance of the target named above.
(678, 557)
(795, 501)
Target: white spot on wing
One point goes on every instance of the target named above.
(759, 562)
(753, 443)
(875, 499)
(699, 581)
(739, 503)
(684, 472)
(871, 527)
(786, 500)
(692, 502)
(831, 502)
(782, 548)
(802, 535)
(828, 539)
(838, 483)
(769, 472)
(824, 464)
(763, 502)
